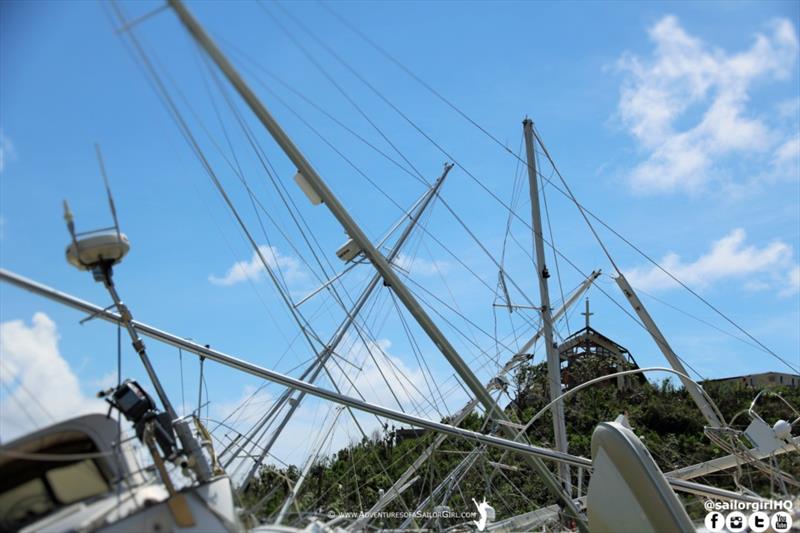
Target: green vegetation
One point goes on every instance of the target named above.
(662, 414)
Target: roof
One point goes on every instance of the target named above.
(590, 335)
(759, 374)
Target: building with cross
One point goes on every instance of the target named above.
(588, 353)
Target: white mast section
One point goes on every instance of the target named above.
(553, 358)
(694, 389)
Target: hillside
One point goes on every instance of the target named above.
(662, 414)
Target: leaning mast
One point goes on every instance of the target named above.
(553, 358)
(324, 195)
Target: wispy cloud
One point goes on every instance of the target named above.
(374, 381)
(793, 282)
(39, 384)
(421, 266)
(253, 269)
(368, 376)
(786, 161)
(766, 267)
(7, 151)
(687, 106)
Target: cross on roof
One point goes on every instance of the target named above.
(586, 313)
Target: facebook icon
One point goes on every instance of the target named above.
(715, 521)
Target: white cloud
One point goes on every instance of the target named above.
(241, 413)
(7, 151)
(254, 268)
(421, 266)
(688, 82)
(727, 258)
(33, 365)
(312, 417)
(404, 381)
(793, 282)
(786, 161)
(789, 109)
(105, 381)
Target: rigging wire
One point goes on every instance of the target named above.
(310, 57)
(553, 240)
(401, 407)
(429, 234)
(113, 9)
(21, 405)
(183, 127)
(585, 213)
(15, 377)
(198, 152)
(363, 80)
(366, 343)
(635, 319)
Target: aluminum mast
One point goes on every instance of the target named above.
(95, 311)
(318, 364)
(553, 358)
(380, 263)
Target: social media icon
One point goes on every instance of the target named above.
(781, 521)
(758, 521)
(715, 521)
(736, 521)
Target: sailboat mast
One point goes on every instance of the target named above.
(377, 259)
(337, 209)
(318, 364)
(691, 387)
(553, 358)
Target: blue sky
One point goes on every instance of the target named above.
(678, 124)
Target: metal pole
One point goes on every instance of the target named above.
(188, 441)
(137, 343)
(299, 484)
(393, 492)
(319, 363)
(337, 209)
(354, 231)
(212, 354)
(692, 388)
(729, 461)
(553, 358)
(287, 381)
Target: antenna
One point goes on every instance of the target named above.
(70, 222)
(108, 188)
(96, 250)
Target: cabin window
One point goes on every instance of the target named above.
(76, 482)
(31, 489)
